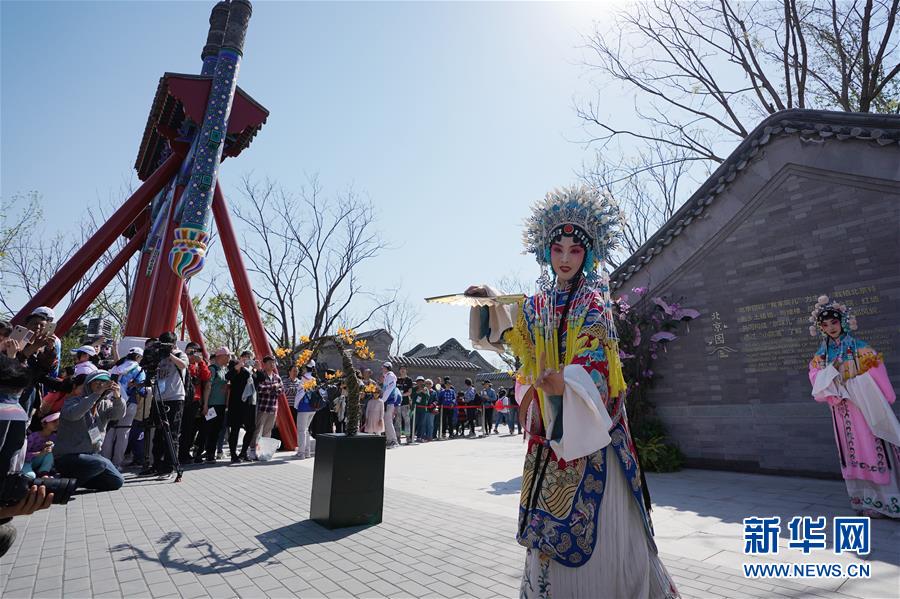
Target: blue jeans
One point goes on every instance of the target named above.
(421, 417)
(427, 425)
(40, 464)
(92, 471)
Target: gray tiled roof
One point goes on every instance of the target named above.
(496, 377)
(398, 361)
(811, 125)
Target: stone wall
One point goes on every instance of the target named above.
(803, 220)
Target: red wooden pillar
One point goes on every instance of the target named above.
(165, 294)
(86, 256)
(140, 298)
(191, 322)
(242, 288)
(80, 305)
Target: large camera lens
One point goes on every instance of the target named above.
(62, 488)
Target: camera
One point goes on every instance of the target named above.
(154, 353)
(14, 487)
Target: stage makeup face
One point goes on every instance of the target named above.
(832, 327)
(566, 258)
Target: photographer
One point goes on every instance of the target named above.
(85, 359)
(169, 387)
(82, 424)
(14, 378)
(41, 356)
(131, 380)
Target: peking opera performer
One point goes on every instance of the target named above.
(582, 513)
(849, 376)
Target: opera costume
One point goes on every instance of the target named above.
(583, 512)
(849, 376)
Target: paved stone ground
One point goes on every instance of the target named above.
(448, 531)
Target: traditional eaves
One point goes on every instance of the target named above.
(813, 126)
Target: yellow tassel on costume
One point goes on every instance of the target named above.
(616, 379)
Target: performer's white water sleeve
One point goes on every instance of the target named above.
(586, 422)
(865, 395)
(825, 384)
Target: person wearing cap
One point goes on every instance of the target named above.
(83, 421)
(131, 378)
(195, 384)
(215, 398)
(390, 397)
(420, 398)
(38, 322)
(84, 359)
(433, 407)
(39, 453)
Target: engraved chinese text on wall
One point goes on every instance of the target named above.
(774, 335)
(717, 342)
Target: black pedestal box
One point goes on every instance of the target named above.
(348, 480)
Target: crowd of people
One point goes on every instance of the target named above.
(423, 410)
(91, 415)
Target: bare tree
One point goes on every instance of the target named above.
(115, 300)
(31, 255)
(704, 73)
(399, 317)
(514, 283)
(272, 256)
(307, 249)
(648, 199)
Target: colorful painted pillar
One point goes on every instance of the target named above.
(141, 313)
(188, 252)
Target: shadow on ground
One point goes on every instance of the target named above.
(509, 487)
(213, 561)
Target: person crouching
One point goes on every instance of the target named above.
(83, 421)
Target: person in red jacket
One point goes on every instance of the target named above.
(198, 377)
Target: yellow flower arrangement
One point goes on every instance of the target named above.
(346, 335)
(303, 358)
(309, 384)
(281, 352)
(362, 351)
(304, 339)
(371, 388)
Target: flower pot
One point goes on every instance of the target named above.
(348, 480)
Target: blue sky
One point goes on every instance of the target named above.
(451, 117)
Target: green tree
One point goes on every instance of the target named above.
(223, 322)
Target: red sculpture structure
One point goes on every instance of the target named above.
(189, 131)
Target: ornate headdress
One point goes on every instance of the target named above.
(593, 218)
(585, 213)
(826, 308)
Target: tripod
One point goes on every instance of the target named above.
(161, 421)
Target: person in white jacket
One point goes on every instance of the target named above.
(391, 398)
